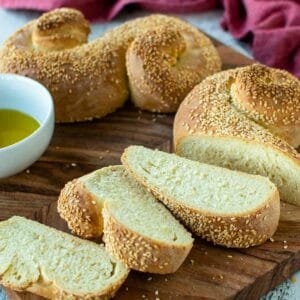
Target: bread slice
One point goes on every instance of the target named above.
(55, 265)
(138, 230)
(226, 207)
(251, 157)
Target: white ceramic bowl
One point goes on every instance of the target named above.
(28, 96)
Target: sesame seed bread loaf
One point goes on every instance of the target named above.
(246, 119)
(226, 207)
(158, 59)
(138, 230)
(56, 265)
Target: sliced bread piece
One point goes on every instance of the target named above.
(138, 230)
(55, 265)
(226, 207)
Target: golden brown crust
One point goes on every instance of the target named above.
(89, 80)
(80, 209)
(270, 97)
(60, 29)
(234, 230)
(138, 252)
(165, 64)
(210, 110)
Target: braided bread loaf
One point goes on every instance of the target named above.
(246, 119)
(156, 59)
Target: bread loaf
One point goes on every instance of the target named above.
(246, 119)
(56, 265)
(158, 59)
(229, 208)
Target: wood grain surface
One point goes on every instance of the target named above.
(210, 272)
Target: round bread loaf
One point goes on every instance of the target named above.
(247, 119)
(158, 59)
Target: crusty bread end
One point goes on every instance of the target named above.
(77, 205)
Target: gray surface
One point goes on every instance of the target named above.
(208, 22)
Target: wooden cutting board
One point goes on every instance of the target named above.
(209, 272)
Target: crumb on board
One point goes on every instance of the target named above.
(272, 240)
(73, 164)
(149, 278)
(27, 171)
(229, 256)
(192, 262)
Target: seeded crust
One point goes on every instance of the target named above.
(138, 252)
(164, 65)
(271, 98)
(77, 206)
(234, 230)
(89, 80)
(215, 107)
(60, 29)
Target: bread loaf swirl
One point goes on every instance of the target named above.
(164, 58)
(246, 119)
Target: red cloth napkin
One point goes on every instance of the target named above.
(271, 26)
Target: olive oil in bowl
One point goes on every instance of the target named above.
(15, 126)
